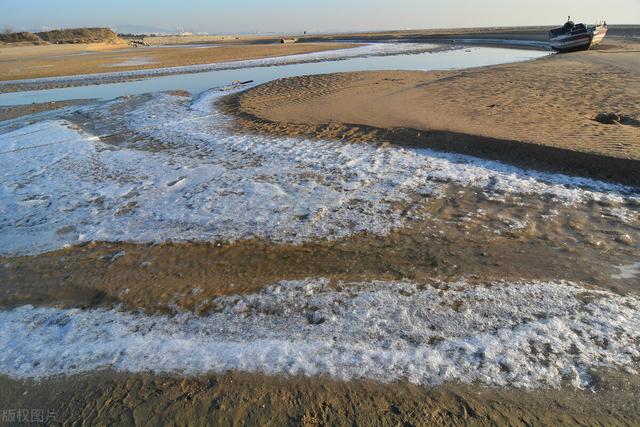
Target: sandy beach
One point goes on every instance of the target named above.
(454, 247)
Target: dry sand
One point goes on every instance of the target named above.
(577, 113)
(28, 62)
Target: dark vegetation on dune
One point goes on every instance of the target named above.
(68, 36)
(23, 36)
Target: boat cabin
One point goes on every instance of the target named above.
(568, 28)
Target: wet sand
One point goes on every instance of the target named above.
(63, 60)
(236, 398)
(584, 247)
(575, 113)
(13, 112)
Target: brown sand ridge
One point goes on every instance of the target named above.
(577, 113)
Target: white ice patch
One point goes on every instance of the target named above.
(630, 271)
(625, 215)
(60, 186)
(508, 334)
(132, 62)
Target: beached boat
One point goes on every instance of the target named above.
(571, 37)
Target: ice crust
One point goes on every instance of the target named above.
(62, 186)
(527, 335)
(630, 271)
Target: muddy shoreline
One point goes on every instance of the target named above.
(238, 398)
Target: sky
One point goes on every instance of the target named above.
(216, 16)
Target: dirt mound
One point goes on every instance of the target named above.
(20, 37)
(79, 35)
(72, 35)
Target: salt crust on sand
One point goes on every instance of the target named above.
(61, 186)
(525, 335)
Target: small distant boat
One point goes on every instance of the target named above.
(571, 37)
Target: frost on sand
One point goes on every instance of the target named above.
(508, 334)
(62, 186)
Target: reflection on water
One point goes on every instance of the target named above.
(198, 82)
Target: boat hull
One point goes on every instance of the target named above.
(598, 36)
(576, 42)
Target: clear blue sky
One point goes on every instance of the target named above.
(291, 15)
